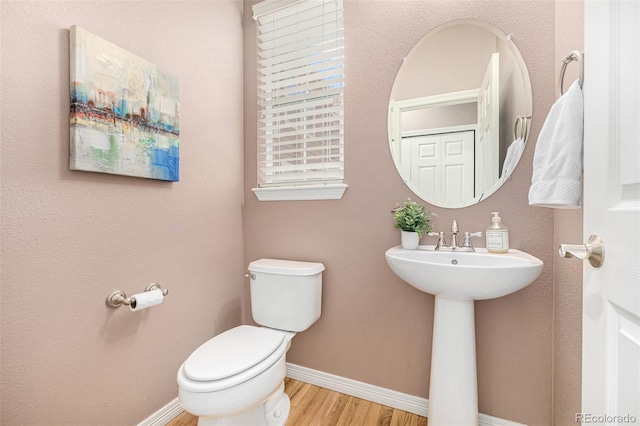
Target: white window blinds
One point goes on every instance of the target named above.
(300, 92)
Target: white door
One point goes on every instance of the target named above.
(487, 141)
(425, 165)
(457, 168)
(611, 294)
(442, 167)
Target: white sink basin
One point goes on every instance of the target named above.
(457, 279)
(464, 275)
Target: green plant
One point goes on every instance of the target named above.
(412, 217)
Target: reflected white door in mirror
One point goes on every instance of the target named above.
(453, 111)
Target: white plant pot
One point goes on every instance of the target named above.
(410, 240)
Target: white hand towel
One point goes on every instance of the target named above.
(557, 162)
(514, 152)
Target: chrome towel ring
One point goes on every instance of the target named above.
(573, 56)
(521, 127)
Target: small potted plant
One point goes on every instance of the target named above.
(413, 220)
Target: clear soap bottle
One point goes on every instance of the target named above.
(497, 235)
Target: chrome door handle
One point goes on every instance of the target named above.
(593, 251)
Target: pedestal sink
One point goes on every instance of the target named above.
(456, 279)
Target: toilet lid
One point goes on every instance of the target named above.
(232, 352)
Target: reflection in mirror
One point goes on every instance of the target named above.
(459, 113)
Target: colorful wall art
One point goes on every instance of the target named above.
(124, 111)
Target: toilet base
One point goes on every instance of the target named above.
(279, 413)
(274, 412)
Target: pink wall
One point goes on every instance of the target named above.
(375, 328)
(567, 289)
(71, 238)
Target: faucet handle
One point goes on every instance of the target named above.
(466, 244)
(441, 241)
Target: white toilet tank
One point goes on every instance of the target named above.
(286, 294)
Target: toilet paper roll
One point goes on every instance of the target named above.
(146, 300)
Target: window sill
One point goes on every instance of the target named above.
(332, 191)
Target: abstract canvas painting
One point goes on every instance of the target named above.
(124, 112)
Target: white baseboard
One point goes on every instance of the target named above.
(383, 396)
(401, 401)
(163, 416)
(377, 394)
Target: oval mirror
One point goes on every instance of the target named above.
(459, 113)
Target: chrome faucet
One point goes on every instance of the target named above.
(466, 243)
(454, 234)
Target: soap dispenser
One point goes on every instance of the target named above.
(497, 235)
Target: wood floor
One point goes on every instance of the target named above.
(315, 406)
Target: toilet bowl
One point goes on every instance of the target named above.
(237, 377)
(229, 379)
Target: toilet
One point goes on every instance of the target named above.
(237, 377)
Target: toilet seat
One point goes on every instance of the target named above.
(231, 358)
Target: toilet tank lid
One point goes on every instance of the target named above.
(285, 267)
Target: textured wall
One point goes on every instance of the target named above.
(71, 238)
(567, 287)
(375, 328)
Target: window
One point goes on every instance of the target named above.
(300, 99)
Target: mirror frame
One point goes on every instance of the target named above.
(456, 98)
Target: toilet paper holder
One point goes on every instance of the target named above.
(119, 298)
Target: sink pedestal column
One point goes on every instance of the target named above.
(453, 392)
